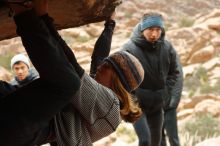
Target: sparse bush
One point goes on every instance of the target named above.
(68, 39)
(128, 15)
(191, 93)
(207, 88)
(126, 132)
(128, 34)
(82, 39)
(193, 83)
(201, 74)
(201, 128)
(188, 140)
(186, 22)
(5, 60)
(199, 83)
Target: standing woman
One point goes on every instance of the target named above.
(100, 105)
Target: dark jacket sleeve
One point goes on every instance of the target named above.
(173, 69)
(174, 83)
(102, 46)
(176, 91)
(67, 50)
(5, 88)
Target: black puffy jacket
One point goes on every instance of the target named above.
(176, 91)
(159, 62)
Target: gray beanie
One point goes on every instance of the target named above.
(20, 57)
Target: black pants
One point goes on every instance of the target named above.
(170, 126)
(27, 111)
(148, 129)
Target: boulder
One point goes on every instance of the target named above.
(208, 106)
(190, 104)
(67, 14)
(202, 55)
(210, 142)
(184, 113)
(211, 64)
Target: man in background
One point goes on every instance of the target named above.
(23, 72)
(158, 58)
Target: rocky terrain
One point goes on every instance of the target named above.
(193, 27)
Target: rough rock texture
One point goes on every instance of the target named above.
(67, 13)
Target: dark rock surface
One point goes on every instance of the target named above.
(67, 13)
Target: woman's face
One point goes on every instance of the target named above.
(104, 76)
(152, 34)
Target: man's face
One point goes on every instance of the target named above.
(21, 70)
(152, 34)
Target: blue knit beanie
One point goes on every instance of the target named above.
(150, 21)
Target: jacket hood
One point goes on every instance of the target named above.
(33, 74)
